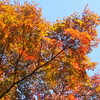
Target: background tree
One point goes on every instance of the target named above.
(45, 60)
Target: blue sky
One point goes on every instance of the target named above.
(53, 9)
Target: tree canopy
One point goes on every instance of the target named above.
(44, 60)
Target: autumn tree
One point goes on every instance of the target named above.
(91, 92)
(46, 60)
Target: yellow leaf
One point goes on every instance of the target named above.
(98, 89)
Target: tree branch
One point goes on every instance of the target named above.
(2, 53)
(37, 68)
(17, 63)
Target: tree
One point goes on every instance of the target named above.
(91, 92)
(45, 60)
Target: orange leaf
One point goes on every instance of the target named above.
(71, 97)
(75, 65)
(30, 58)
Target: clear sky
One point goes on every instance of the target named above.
(53, 9)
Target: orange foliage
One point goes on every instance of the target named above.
(40, 59)
(71, 97)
